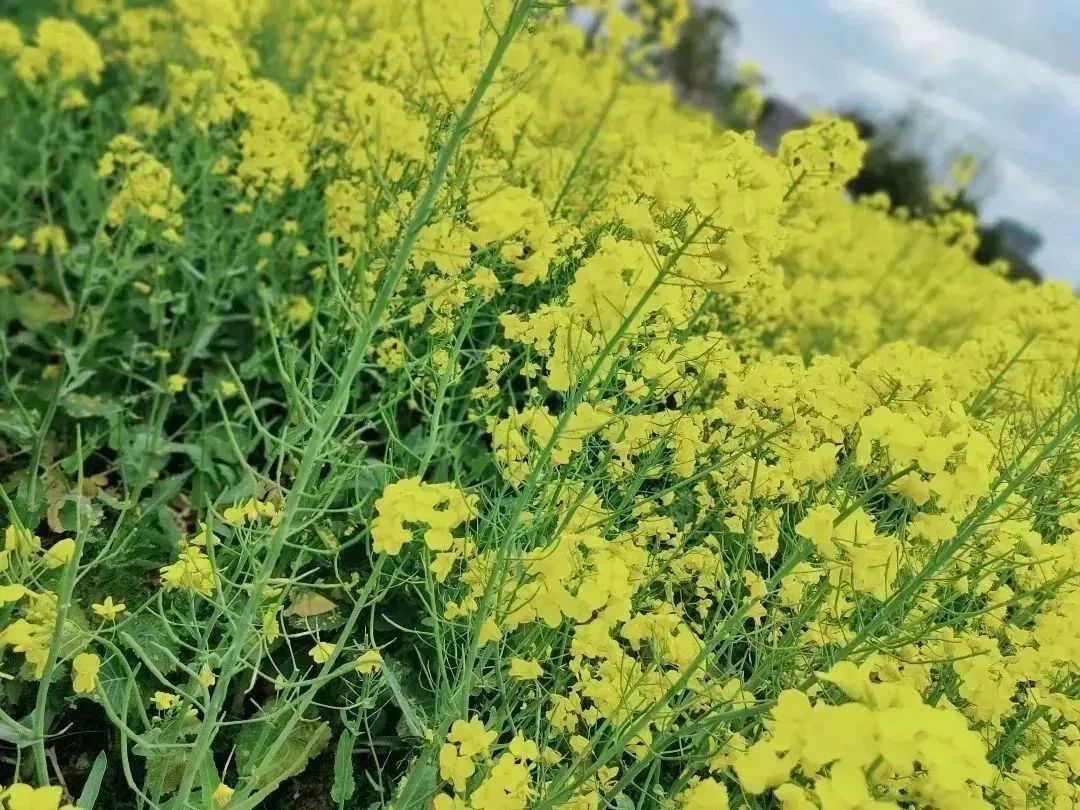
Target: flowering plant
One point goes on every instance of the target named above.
(411, 405)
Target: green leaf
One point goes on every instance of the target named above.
(209, 779)
(37, 309)
(305, 741)
(370, 477)
(14, 732)
(344, 783)
(165, 765)
(412, 714)
(92, 786)
(116, 688)
(142, 453)
(83, 406)
(14, 427)
(418, 782)
(145, 634)
(164, 772)
(165, 489)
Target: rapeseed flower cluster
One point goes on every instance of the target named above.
(146, 191)
(423, 397)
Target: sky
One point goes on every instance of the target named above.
(998, 78)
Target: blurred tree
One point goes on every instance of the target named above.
(699, 67)
(894, 166)
(1013, 241)
(696, 63)
(686, 43)
(888, 165)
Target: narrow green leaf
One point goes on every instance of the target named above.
(344, 783)
(412, 714)
(90, 790)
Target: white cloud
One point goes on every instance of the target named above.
(941, 47)
(1024, 187)
(895, 92)
(979, 127)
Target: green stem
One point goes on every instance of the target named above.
(331, 415)
(63, 605)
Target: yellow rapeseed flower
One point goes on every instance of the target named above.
(369, 662)
(49, 238)
(11, 593)
(21, 541)
(59, 553)
(523, 670)
(84, 667)
(163, 701)
(23, 797)
(222, 794)
(108, 609)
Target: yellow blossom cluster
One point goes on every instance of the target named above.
(60, 47)
(885, 736)
(29, 600)
(192, 570)
(440, 508)
(146, 192)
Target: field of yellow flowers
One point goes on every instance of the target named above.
(408, 404)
